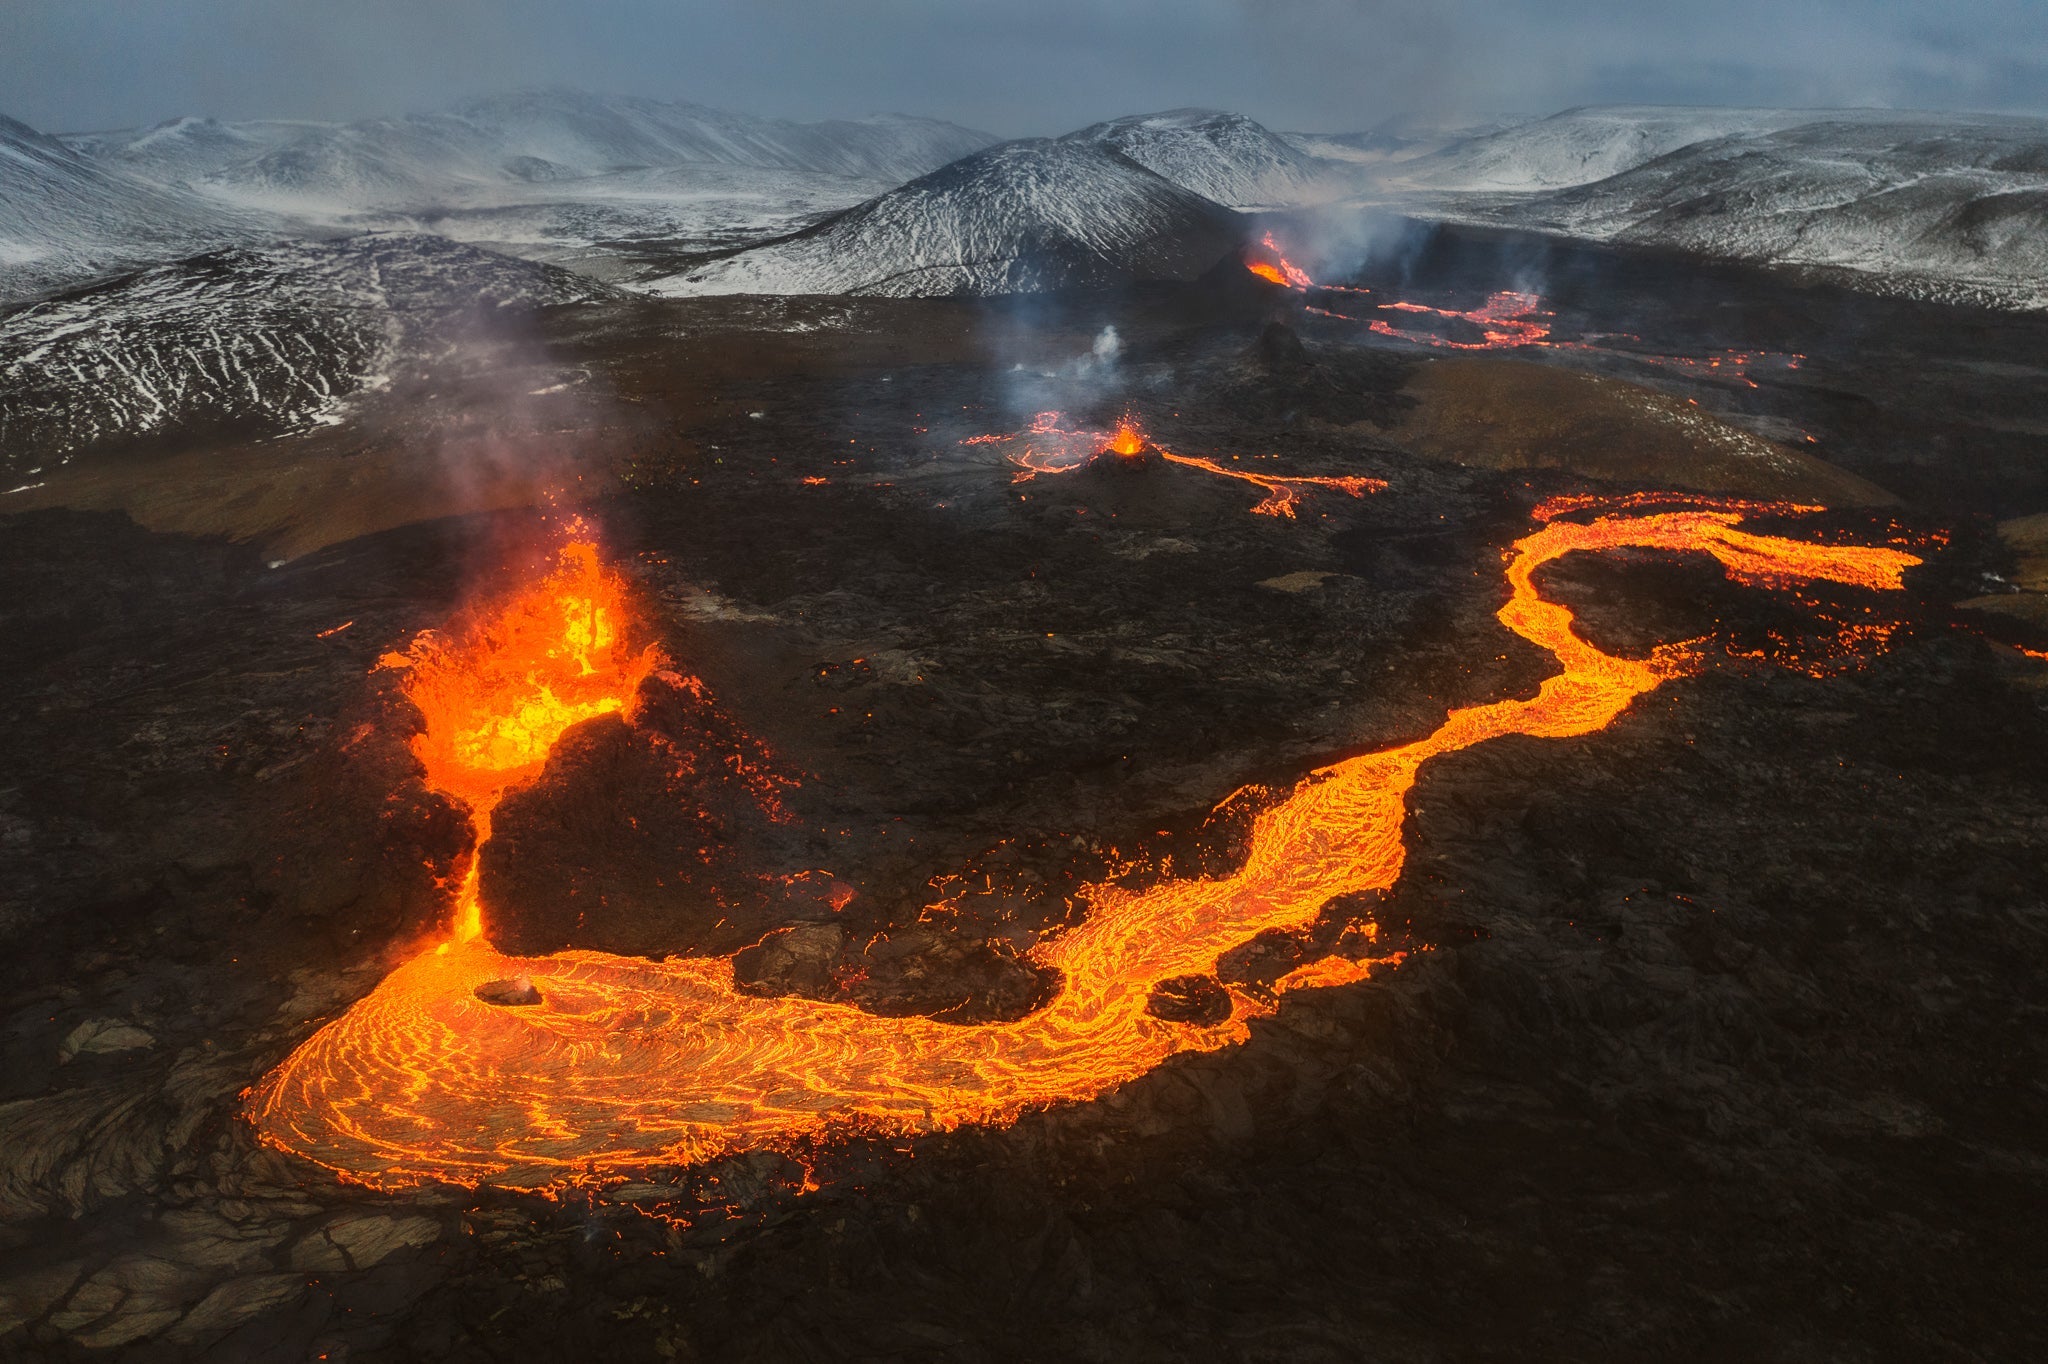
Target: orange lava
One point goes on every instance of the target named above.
(496, 698)
(1508, 320)
(1275, 268)
(626, 1063)
(1505, 320)
(1046, 447)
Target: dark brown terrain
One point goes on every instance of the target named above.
(1722, 1036)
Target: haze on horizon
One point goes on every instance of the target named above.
(1010, 69)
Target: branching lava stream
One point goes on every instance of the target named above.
(626, 1063)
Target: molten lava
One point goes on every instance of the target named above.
(592, 1065)
(1505, 320)
(496, 698)
(1126, 442)
(1274, 267)
(1046, 447)
(1508, 320)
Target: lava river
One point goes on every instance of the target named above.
(625, 1063)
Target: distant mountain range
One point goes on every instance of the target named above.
(424, 160)
(1931, 205)
(677, 198)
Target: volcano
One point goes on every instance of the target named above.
(1022, 217)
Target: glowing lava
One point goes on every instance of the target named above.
(1505, 320)
(1046, 447)
(496, 698)
(1508, 320)
(1275, 268)
(610, 1064)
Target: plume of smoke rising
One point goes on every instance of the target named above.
(1102, 355)
(496, 422)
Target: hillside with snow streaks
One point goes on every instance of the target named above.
(1020, 217)
(1221, 156)
(65, 217)
(1945, 208)
(249, 341)
(1579, 146)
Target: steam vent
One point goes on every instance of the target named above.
(643, 733)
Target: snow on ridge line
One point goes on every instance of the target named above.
(1945, 207)
(266, 340)
(535, 137)
(1222, 156)
(1019, 217)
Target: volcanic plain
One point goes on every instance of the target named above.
(1713, 1033)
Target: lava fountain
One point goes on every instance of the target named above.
(616, 1063)
(497, 697)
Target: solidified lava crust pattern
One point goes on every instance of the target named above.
(626, 1063)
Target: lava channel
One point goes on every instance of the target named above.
(1046, 447)
(596, 1065)
(1508, 320)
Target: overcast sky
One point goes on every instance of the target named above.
(1031, 67)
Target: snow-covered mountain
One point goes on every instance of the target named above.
(253, 341)
(1940, 206)
(64, 216)
(1582, 145)
(533, 139)
(1221, 156)
(1017, 218)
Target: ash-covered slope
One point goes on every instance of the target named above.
(1929, 205)
(540, 138)
(1221, 156)
(251, 341)
(1017, 218)
(65, 217)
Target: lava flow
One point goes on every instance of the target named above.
(611, 1064)
(1277, 269)
(1049, 448)
(1508, 320)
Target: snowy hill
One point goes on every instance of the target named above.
(1017, 218)
(1928, 205)
(1220, 156)
(544, 138)
(64, 217)
(1579, 146)
(252, 341)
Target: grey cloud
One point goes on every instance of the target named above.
(1011, 68)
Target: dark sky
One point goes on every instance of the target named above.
(1037, 66)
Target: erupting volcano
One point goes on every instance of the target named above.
(1046, 447)
(608, 1064)
(496, 698)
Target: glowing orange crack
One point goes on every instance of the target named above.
(629, 1063)
(1046, 447)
